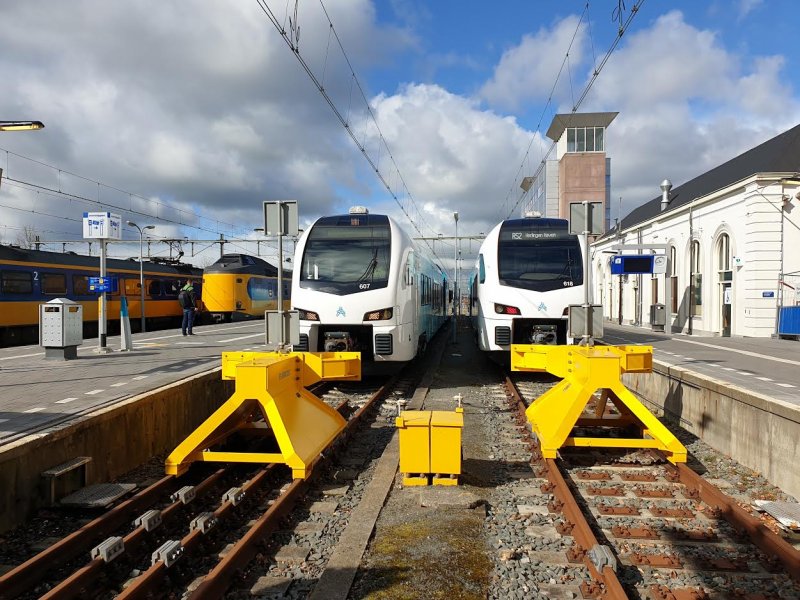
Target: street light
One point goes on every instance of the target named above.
(141, 263)
(20, 125)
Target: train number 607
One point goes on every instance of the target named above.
(363, 286)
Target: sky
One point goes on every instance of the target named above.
(188, 114)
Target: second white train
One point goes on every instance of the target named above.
(360, 283)
(529, 272)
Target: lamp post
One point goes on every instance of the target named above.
(20, 125)
(141, 264)
(455, 283)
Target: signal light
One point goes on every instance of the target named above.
(379, 315)
(502, 309)
(307, 315)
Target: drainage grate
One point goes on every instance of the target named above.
(786, 513)
(502, 336)
(303, 345)
(383, 344)
(100, 495)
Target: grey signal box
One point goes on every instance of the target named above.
(289, 333)
(280, 218)
(61, 328)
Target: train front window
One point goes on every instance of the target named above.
(540, 264)
(342, 259)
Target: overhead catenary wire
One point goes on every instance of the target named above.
(291, 38)
(596, 72)
(59, 192)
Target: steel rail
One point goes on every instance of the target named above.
(29, 573)
(78, 581)
(582, 530)
(767, 541)
(217, 581)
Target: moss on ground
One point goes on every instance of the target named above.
(438, 556)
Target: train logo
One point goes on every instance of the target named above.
(340, 312)
(542, 307)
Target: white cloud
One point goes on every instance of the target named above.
(527, 71)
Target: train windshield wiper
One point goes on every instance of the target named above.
(369, 272)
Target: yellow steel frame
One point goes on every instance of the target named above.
(272, 386)
(584, 371)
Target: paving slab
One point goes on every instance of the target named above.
(293, 554)
(335, 490)
(325, 507)
(269, 585)
(527, 510)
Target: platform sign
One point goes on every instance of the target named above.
(633, 264)
(102, 226)
(281, 218)
(99, 285)
(577, 218)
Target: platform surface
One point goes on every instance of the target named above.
(37, 394)
(763, 365)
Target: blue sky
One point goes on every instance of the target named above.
(197, 111)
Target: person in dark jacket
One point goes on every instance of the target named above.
(188, 301)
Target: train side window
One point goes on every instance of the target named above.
(17, 282)
(172, 287)
(153, 287)
(132, 287)
(80, 285)
(54, 284)
(482, 269)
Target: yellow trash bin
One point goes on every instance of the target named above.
(446, 429)
(415, 446)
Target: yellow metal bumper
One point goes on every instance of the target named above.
(271, 399)
(584, 371)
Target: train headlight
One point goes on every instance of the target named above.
(379, 315)
(307, 315)
(502, 309)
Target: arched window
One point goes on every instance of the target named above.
(724, 258)
(696, 298)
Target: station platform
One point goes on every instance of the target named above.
(739, 395)
(766, 365)
(38, 394)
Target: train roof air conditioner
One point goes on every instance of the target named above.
(359, 210)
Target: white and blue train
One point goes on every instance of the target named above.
(361, 284)
(528, 273)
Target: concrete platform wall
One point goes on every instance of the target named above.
(118, 438)
(760, 432)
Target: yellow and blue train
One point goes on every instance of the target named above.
(29, 278)
(239, 287)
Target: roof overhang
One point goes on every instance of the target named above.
(561, 122)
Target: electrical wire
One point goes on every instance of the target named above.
(620, 32)
(291, 38)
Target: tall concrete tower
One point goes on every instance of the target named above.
(580, 172)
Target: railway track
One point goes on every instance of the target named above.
(644, 528)
(219, 528)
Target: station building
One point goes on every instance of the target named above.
(731, 242)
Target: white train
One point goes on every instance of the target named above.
(528, 273)
(361, 284)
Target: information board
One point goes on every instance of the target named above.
(102, 226)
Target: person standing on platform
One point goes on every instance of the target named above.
(188, 301)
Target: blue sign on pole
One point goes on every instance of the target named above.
(631, 264)
(767, 294)
(99, 285)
